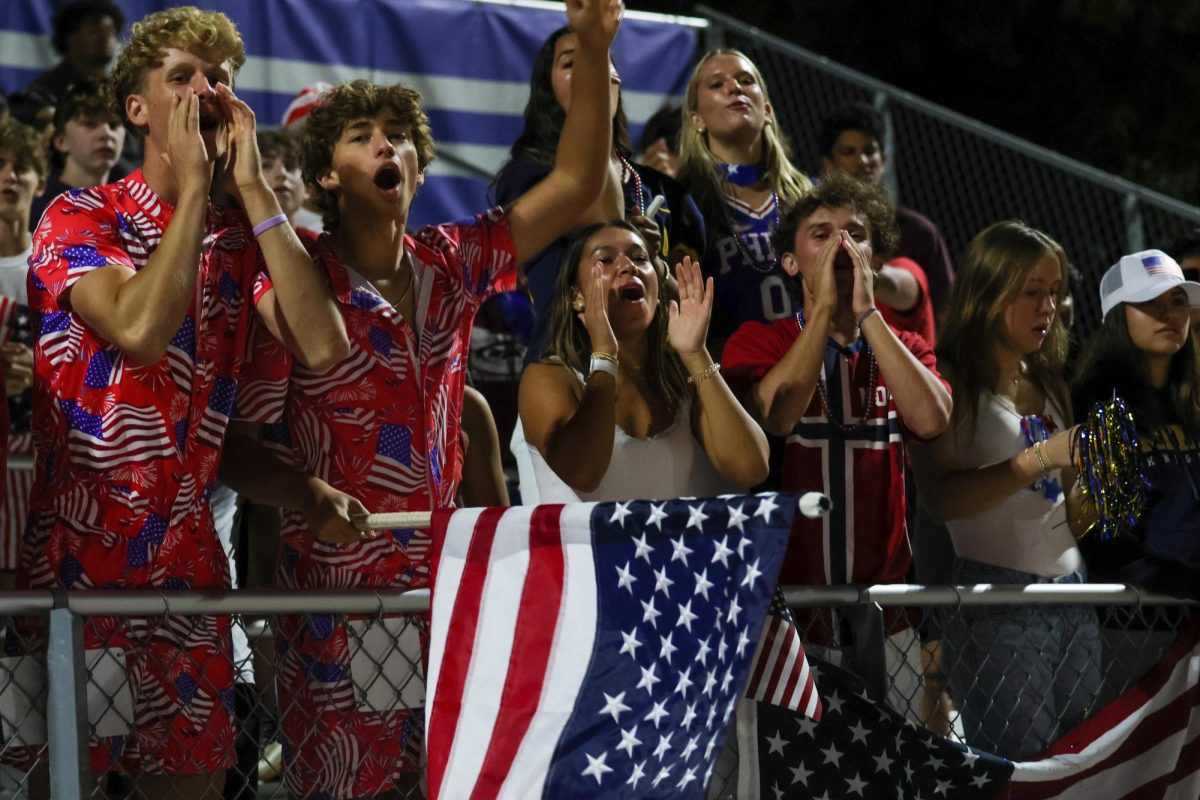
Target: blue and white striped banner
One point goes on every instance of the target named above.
(470, 59)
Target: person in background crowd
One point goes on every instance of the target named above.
(659, 144)
(22, 179)
(851, 141)
(1020, 676)
(380, 429)
(35, 110)
(1186, 251)
(628, 402)
(308, 216)
(1144, 353)
(85, 35)
(848, 391)
(87, 142)
(280, 151)
(676, 230)
(734, 160)
(143, 288)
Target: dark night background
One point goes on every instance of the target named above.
(1112, 83)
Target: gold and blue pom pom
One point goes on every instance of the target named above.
(1110, 468)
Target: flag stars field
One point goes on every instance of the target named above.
(676, 584)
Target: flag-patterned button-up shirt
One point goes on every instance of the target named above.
(383, 425)
(124, 449)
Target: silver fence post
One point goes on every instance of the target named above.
(882, 103)
(1135, 229)
(713, 35)
(866, 625)
(66, 710)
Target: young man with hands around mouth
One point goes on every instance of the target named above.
(144, 290)
(846, 390)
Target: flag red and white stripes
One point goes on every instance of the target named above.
(1145, 744)
(781, 675)
(474, 741)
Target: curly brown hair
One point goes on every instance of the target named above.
(842, 191)
(208, 33)
(344, 105)
(24, 146)
(280, 143)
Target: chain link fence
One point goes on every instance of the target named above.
(118, 685)
(963, 174)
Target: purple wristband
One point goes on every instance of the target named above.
(863, 316)
(268, 223)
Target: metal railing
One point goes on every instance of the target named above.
(962, 173)
(860, 629)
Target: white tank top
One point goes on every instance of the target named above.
(1026, 532)
(669, 465)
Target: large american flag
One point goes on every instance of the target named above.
(595, 649)
(1145, 745)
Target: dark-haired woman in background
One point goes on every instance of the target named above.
(1144, 353)
(628, 403)
(676, 230)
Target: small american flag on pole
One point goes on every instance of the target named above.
(781, 674)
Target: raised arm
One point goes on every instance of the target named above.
(734, 443)
(574, 431)
(555, 204)
(300, 308)
(921, 398)
(140, 311)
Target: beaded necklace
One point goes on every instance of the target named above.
(822, 391)
(748, 175)
(627, 172)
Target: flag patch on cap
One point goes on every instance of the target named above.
(1154, 265)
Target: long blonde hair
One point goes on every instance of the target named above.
(998, 262)
(698, 169)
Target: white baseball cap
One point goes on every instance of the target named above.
(1143, 276)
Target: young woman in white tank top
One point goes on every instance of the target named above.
(627, 403)
(999, 478)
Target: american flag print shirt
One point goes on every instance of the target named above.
(129, 452)
(383, 425)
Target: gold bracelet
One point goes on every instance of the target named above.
(606, 357)
(709, 371)
(1037, 451)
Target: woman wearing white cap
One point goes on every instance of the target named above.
(1144, 354)
(1021, 676)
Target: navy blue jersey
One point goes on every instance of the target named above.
(750, 284)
